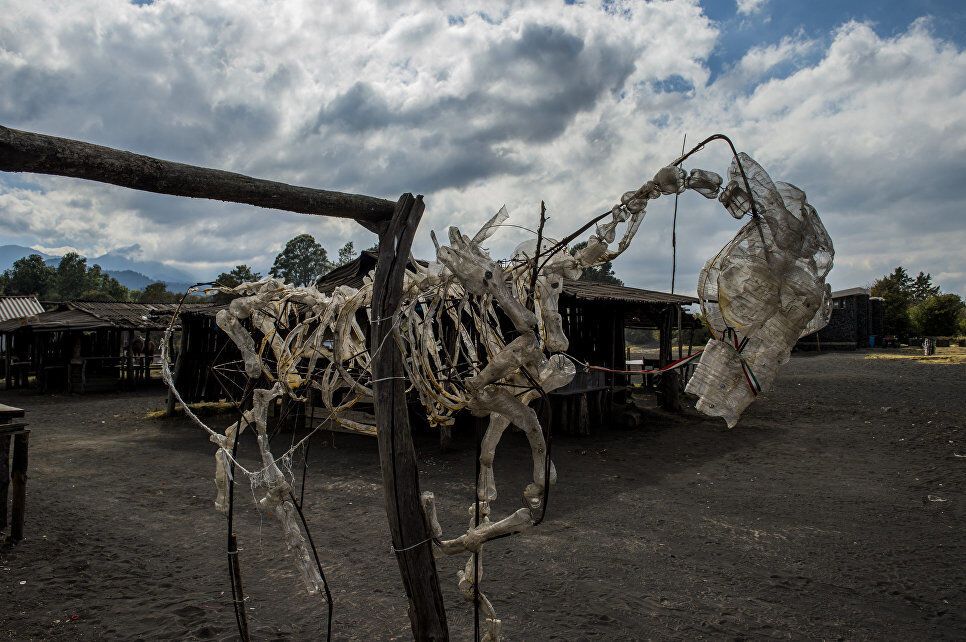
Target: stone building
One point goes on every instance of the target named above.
(856, 322)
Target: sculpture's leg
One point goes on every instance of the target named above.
(491, 438)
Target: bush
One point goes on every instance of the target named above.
(938, 316)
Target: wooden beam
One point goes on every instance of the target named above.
(18, 485)
(397, 456)
(22, 151)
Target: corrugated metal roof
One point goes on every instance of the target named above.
(593, 291)
(207, 311)
(17, 307)
(55, 320)
(86, 315)
(350, 274)
(146, 316)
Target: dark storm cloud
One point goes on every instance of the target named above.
(456, 140)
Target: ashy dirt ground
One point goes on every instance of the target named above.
(836, 509)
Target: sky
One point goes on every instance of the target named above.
(861, 104)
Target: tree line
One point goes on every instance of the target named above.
(301, 261)
(71, 279)
(915, 306)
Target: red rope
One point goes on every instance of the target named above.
(670, 366)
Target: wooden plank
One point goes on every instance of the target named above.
(9, 412)
(397, 456)
(22, 151)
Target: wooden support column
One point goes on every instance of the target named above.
(169, 406)
(145, 359)
(4, 477)
(397, 456)
(130, 358)
(18, 485)
(8, 345)
(670, 381)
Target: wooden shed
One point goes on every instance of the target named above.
(16, 307)
(83, 346)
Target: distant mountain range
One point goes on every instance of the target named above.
(131, 273)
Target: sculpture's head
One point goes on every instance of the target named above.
(548, 287)
(481, 275)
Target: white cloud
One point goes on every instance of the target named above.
(747, 7)
(762, 59)
(571, 104)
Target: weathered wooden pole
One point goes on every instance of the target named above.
(411, 539)
(4, 477)
(41, 154)
(670, 396)
(130, 358)
(8, 344)
(18, 485)
(170, 402)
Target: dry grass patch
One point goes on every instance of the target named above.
(202, 408)
(953, 355)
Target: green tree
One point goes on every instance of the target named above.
(301, 262)
(603, 273)
(240, 274)
(922, 287)
(97, 295)
(30, 275)
(101, 286)
(937, 316)
(896, 289)
(346, 254)
(71, 276)
(158, 293)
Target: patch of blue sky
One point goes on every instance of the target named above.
(10, 181)
(673, 84)
(818, 19)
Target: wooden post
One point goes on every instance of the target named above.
(664, 338)
(670, 381)
(397, 456)
(169, 406)
(680, 335)
(18, 484)
(130, 358)
(4, 478)
(8, 344)
(145, 359)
